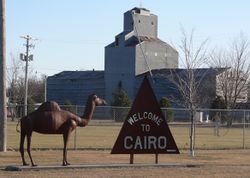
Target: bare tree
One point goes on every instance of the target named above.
(232, 83)
(16, 87)
(13, 75)
(16, 83)
(36, 87)
(188, 80)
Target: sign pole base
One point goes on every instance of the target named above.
(131, 159)
(156, 158)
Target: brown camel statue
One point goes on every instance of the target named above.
(50, 119)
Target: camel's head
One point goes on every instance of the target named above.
(98, 101)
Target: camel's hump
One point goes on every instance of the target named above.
(49, 106)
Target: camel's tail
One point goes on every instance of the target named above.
(18, 125)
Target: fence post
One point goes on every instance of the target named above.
(113, 113)
(76, 111)
(244, 126)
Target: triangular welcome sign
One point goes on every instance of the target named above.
(145, 129)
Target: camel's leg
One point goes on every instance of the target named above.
(65, 143)
(29, 134)
(21, 148)
(70, 127)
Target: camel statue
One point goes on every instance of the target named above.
(50, 119)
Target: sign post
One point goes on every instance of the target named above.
(145, 130)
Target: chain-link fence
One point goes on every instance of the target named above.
(214, 129)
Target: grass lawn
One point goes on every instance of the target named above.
(95, 141)
(103, 136)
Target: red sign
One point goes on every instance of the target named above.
(145, 129)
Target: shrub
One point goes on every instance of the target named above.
(120, 99)
(166, 103)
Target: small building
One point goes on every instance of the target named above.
(75, 86)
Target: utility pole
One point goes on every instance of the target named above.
(26, 58)
(3, 101)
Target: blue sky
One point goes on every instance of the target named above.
(72, 34)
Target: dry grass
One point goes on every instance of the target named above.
(223, 163)
(216, 163)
